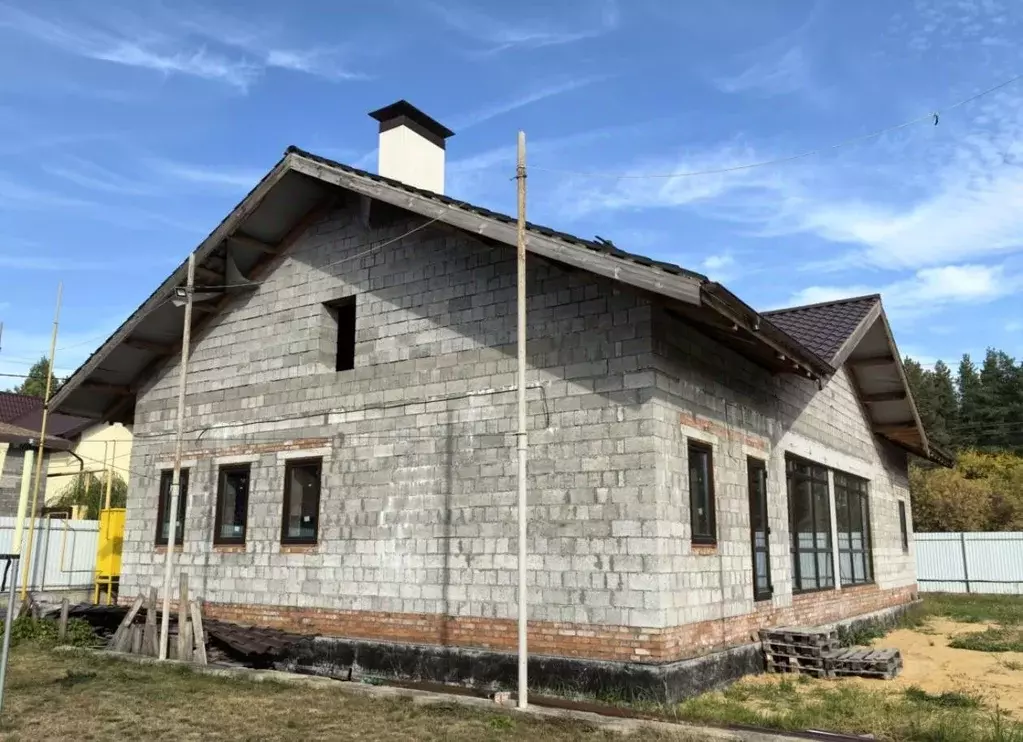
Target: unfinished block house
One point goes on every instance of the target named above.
(697, 469)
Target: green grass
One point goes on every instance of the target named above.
(912, 716)
(90, 698)
(993, 639)
(1002, 609)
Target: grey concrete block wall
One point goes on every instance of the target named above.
(10, 479)
(418, 498)
(419, 494)
(710, 393)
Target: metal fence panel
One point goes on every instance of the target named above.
(970, 562)
(63, 552)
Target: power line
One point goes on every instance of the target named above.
(933, 117)
(364, 253)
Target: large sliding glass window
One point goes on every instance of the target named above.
(855, 561)
(810, 525)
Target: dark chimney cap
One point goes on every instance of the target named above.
(404, 113)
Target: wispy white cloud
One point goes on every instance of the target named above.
(1014, 326)
(775, 75)
(213, 50)
(721, 267)
(92, 177)
(928, 290)
(536, 95)
(229, 178)
(500, 34)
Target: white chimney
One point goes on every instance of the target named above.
(411, 146)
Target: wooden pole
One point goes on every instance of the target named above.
(184, 635)
(168, 565)
(520, 177)
(65, 606)
(149, 639)
(198, 635)
(42, 448)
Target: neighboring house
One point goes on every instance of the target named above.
(97, 449)
(696, 469)
(24, 413)
(16, 463)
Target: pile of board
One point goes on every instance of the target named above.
(139, 631)
(818, 652)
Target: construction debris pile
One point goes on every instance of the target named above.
(817, 652)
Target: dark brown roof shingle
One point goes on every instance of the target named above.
(14, 405)
(824, 328)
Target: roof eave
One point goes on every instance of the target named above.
(719, 298)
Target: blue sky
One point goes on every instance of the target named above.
(129, 129)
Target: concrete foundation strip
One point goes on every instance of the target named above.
(624, 726)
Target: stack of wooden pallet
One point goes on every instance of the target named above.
(866, 663)
(816, 652)
(799, 650)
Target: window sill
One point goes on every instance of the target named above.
(704, 549)
(162, 548)
(229, 548)
(299, 548)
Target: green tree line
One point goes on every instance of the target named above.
(976, 414)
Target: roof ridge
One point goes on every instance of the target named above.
(832, 303)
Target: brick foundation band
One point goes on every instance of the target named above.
(584, 641)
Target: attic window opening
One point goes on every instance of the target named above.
(342, 313)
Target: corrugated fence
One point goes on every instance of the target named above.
(63, 551)
(970, 562)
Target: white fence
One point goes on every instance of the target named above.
(970, 562)
(63, 552)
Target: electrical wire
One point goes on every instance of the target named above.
(364, 253)
(933, 117)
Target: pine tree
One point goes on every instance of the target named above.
(946, 406)
(970, 404)
(923, 389)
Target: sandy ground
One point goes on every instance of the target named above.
(931, 664)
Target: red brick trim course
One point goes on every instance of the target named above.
(589, 641)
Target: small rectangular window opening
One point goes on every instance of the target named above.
(343, 313)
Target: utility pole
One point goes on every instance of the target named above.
(520, 177)
(27, 561)
(175, 494)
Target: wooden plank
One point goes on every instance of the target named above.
(185, 641)
(198, 634)
(884, 359)
(681, 287)
(245, 240)
(184, 636)
(65, 606)
(154, 347)
(151, 637)
(885, 396)
(209, 276)
(102, 386)
(136, 639)
(122, 629)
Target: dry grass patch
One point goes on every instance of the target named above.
(85, 697)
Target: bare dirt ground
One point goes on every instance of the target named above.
(995, 677)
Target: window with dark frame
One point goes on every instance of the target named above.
(701, 493)
(163, 508)
(852, 510)
(810, 526)
(760, 532)
(343, 314)
(301, 516)
(231, 516)
(904, 526)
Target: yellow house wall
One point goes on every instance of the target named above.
(101, 446)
